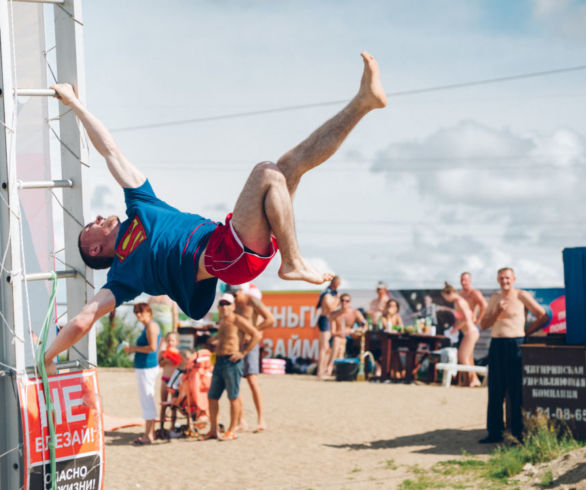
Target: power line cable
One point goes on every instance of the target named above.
(401, 93)
(375, 222)
(397, 170)
(359, 160)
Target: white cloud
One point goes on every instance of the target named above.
(563, 148)
(545, 9)
(548, 273)
(473, 165)
(567, 17)
(488, 197)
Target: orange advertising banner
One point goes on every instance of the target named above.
(79, 436)
(295, 333)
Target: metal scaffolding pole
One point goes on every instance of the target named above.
(11, 351)
(71, 69)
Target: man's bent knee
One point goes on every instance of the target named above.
(268, 172)
(264, 166)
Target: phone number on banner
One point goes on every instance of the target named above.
(577, 414)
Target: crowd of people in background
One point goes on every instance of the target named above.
(236, 348)
(505, 314)
(338, 320)
(242, 317)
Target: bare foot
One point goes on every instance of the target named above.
(242, 426)
(260, 428)
(302, 271)
(371, 89)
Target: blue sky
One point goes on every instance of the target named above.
(474, 178)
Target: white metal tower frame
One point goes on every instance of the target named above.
(11, 350)
(70, 68)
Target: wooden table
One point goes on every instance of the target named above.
(390, 342)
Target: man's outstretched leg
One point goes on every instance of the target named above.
(265, 205)
(324, 141)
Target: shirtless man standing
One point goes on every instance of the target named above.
(473, 297)
(342, 321)
(378, 304)
(506, 315)
(328, 302)
(250, 306)
(228, 367)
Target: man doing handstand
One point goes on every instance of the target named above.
(160, 250)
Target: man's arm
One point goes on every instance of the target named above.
(175, 311)
(360, 319)
(125, 173)
(246, 327)
(264, 312)
(541, 317)
(493, 310)
(482, 305)
(336, 325)
(102, 303)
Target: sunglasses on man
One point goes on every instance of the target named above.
(224, 303)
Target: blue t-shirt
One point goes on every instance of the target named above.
(142, 360)
(157, 252)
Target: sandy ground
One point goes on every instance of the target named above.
(322, 434)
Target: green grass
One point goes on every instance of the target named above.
(356, 469)
(416, 469)
(423, 482)
(505, 464)
(389, 464)
(544, 441)
(463, 463)
(458, 466)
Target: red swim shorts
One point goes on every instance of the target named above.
(227, 259)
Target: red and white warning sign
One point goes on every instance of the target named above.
(79, 436)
